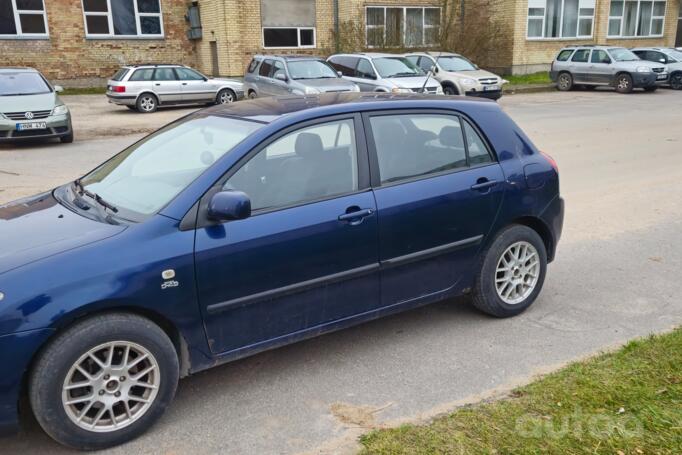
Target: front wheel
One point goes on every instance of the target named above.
(676, 81)
(511, 273)
(624, 83)
(450, 90)
(103, 381)
(226, 96)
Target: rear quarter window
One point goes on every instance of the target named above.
(142, 75)
(564, 55)
(252, 66)
(120, 74)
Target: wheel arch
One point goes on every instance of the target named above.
(539, 226)
(148, 92)
(448, 83)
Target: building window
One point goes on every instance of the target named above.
(636, 18)
(288, 23)
(559, 19)
(122, 18)
(283, 37)
(388, 26)
(22, 18)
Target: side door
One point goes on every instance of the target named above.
(365, 75)
(279, 87)
(167, 86)
(308, 254)
(579, 66)
(195, 87)
(438, 190)
(601, 67)
(264, 81)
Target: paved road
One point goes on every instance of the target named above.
(616, 277)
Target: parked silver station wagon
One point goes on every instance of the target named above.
(618, 67)
(146, 87)
(375, 72)
(273, 75)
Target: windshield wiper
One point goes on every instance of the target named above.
(403, 74)
(94, 196)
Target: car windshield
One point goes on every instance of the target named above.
(396, 67)
(620, 54)
(311, 69)
(146, 176)
(21, 83)
(452, 63)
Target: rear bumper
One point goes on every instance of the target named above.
(122, 100)
(56, 126)
(16, 353)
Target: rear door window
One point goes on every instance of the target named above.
(142, 75)
(581, 56)
(164, 74)
(265, 68)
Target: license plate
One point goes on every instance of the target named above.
(662, 77)
(31, 126)
(490, 88)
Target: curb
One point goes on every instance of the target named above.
(539, 88)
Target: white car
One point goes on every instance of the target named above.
(668, 56)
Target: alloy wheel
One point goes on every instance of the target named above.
(226, 97)
(517, 273)
(623, 83)
(564, 82)
(676, 82)
(111, 386)
(147, 103)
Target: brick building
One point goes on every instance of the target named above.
(80, 42)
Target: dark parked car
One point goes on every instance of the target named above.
(244, 227)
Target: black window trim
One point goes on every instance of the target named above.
(364, 185)
(375, 176)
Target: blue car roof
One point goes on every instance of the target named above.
(266, 110)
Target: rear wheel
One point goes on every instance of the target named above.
(147, 103)
(624, 83)
(103, 381)
(565, 82)
(511, 273)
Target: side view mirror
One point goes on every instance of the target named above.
(229, 205)
(58, 88)
(281, 77)
(339, 73)
(662, 60)
(434, 69)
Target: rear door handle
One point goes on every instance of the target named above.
(157, 84)
(484, 184)
(356, 217)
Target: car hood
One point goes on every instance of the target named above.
(635, 63)
(225, 79)
(327, 85)
(477, 74)
(413, 82)
(39, 227)
(675, 66)
(23, 103)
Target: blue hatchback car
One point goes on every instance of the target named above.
(244, 227)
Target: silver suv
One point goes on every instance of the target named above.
(30, 107)
(272, 75)
(146, 87)
(591, 66)
(375, 72)
(670, 57)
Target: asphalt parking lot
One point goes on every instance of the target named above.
(615, 278)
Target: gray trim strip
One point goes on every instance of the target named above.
(435, 251)
(291, 289)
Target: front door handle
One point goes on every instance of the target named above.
(483, 184)
(355, 217)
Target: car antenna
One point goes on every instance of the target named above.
(430, 71)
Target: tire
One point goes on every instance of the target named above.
(624, 83)
(450, 90)
(651, 89)
(147, 103)
(676, 81)
(252, 95)
(564, 82)
(225, 96)
(491, 284)
(56, 365)
(67, 139)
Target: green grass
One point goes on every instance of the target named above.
(529, 79)
(84, 91)
(626, 402)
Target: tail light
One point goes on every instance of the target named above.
(551, 161)
(119, 88)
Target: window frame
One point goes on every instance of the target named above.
(621, 18)
(582, 4)
(298, 37)
(110, 19)
(404, 25)
(362, 163)
(374, 157)
(17, 23)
